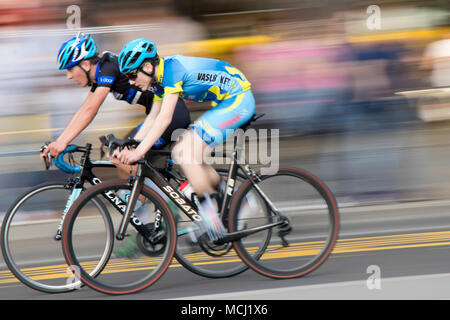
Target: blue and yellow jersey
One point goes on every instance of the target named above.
(199, 79)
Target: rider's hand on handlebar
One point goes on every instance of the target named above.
(127, 156)
(121, 150)
(54, 149)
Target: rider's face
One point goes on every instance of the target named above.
(78, 75)
(142, 80)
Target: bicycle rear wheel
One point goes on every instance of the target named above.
(28, 242)
(304, 241)
(83, 232)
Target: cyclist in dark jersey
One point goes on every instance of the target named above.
(79, 57)
(84, 66)
(108, 75)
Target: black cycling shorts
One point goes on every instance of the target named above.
(180, 120)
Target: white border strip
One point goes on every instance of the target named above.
(398, 288)
(66, 31)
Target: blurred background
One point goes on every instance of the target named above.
(358, 89)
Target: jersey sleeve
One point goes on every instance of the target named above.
(158, 93)
(107, 74)
(173, 76)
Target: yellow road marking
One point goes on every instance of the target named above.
(351, 245)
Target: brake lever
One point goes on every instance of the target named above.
(112, 143)
(103, 140)
(47, 159)
(102, 145)
(47, 162)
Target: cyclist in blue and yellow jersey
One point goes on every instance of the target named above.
(200, 80)
(79, 57)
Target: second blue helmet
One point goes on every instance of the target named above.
(134, 53)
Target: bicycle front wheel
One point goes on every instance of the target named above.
(310, 227)
(28, 243)
(84, 233)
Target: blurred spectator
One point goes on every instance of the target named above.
(300, 83)
(437, 59)
(373, 65)
(170, 29)
(434, 105)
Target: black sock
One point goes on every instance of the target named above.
(201, 198)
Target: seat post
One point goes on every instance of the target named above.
(240, 141)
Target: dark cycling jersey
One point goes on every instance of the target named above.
(108, 75)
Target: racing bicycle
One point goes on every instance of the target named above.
(287, 230)
(32, 226)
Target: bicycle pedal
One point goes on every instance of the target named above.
(285, 228)
(284, 242)
(125, 236)
(157, 237)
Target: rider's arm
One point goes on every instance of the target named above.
(160, 124)
(84, 115)
(148, 123)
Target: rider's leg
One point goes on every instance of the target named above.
(189, 152)
(124, 170)
(209, 131)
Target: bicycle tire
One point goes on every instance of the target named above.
(267, 265)
(100, 283)
(31, 276)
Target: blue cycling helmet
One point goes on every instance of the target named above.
(78, 48)
(134, 53)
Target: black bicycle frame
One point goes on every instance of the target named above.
(146, 170)
(86, 175)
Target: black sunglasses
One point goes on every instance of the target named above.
(132, 75)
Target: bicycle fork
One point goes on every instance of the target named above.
(284, 224)
(73, 196)
(284, 227)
